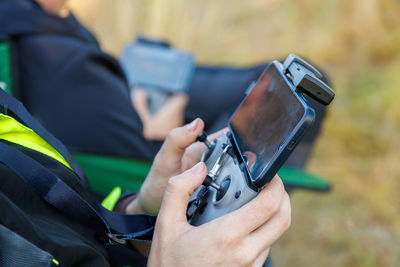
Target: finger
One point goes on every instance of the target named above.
(195, 151)
(261, 259)
(178, 140)
(178, 192)
(262, 238)
(178, 101)
(175, 104)
(259, 210)
(192, 155)
(215, 135)
(140, 103)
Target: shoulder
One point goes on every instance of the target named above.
(52, 47)
(62, 55)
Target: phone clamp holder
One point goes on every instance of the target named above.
(306, 79)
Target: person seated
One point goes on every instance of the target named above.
(35, 233)
(81, 95)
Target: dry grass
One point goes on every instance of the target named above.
(357, 42)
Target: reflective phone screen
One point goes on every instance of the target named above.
(266, 120)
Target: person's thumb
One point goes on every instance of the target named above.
(178, 192)
(177, 141)
(140, 103)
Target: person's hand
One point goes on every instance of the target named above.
(178, 153)
(171, 114)
(240, 238)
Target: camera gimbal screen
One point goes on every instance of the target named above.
(266, 120)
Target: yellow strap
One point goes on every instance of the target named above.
(17, 133)
(112, 198)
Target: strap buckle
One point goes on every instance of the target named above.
(111, 239)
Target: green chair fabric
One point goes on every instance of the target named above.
(106, 172)
(5, 67)
(298, 178)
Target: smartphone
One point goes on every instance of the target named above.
(268, 124)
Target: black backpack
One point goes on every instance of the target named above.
(49, 216)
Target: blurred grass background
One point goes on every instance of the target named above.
(358, 44)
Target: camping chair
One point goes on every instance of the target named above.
(106, 172)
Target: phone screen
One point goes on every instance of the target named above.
(265, 120)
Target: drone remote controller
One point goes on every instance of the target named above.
(209, 202)
(264, 130)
